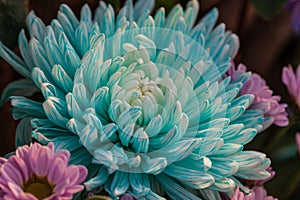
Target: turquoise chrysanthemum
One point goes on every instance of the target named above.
(143, 102)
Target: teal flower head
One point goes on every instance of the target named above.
(143, 101)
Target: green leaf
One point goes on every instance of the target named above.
(98, 197)
(22, 87)
(12, 19)
(268, 8)
(23, 132)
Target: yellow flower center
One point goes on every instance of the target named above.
(39, 187)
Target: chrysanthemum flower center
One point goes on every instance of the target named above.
(38, 186)
(144, 92)
(149, 89)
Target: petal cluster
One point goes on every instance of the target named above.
(253, 190)
(257, 193)
(240, 195)
(141, 101)
(264, 100)
(40, 162)
(291, 80)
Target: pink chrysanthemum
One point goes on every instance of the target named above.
(256, 193)
(256, 190)
(292, 82)
(36, 172)
(263, 96)
(260, 193)
(240, 195)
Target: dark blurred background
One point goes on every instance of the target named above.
(266, 46)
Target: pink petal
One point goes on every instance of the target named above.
(289, 79)
(21, 165)
(262, 105)
(242, 68)
(33, 159)
(74, 189)
(260, 192)
(64, 196)
(2, 160)
(4, 186)
(27, 196)
(298, 142)
(281, 120)
(250, 196)
(23, 153)
(61, 187)
(298, 73)
(45, 158)
(64, 155)
(76, 174)
(15, 189)
(11, 174)
(72, 174)
(57, 171)
(51, 146)
(237, 195)
(267, 93)
(83, 172)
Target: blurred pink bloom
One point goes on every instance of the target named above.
(260, 193)
(256, 193)
(257, 190)
(36, 172)
(126, 197)
(292, 82)
(298, 141)
(263, 97)
(240, 195)
(294, 7)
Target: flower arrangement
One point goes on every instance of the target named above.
(136, 104)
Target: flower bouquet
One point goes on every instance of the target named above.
(132, 103)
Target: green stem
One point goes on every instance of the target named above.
(293, 185)
(278, 136)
